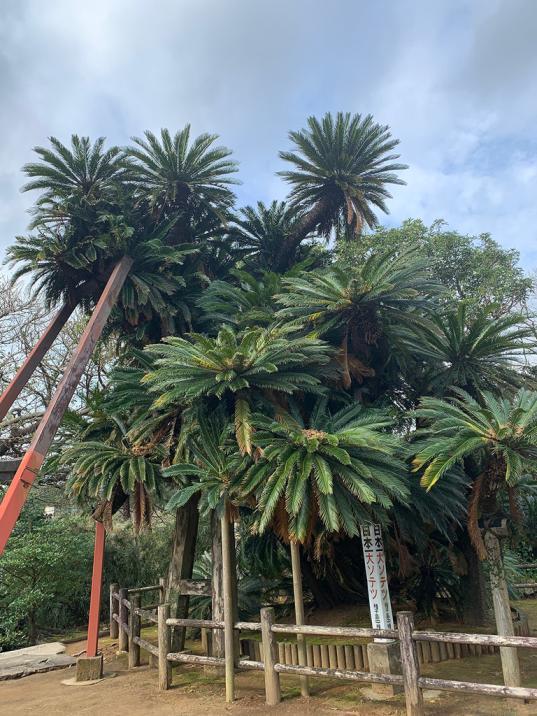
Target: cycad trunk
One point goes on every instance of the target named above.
(476, 602)
(181, 564)
(304, 227)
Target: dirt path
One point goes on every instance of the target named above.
(195, 692)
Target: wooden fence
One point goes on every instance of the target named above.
(344, 661)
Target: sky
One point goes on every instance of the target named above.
(456, 81)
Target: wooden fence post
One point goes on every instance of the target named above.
(164, 644)
(273, 693)
(114, 611)
(229, 634)
(134, 630)
(123, 644)
(410, 664)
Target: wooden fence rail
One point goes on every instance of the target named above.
(341, 661)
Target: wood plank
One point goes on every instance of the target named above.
(352, 632)
(349, 657)
(517, 692)
(146, 645)
(196, 623)
(184, 658)
(341, 674)
(529, 642)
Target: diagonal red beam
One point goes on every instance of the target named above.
(34, 358)
(16, 495)
(96, 586)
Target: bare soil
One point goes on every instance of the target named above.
(135, 693)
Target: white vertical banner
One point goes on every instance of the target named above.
(377, 579)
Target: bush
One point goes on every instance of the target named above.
(45, 574)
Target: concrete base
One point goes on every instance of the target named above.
(384, 658)
(89, 668)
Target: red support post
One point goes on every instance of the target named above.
(96, 586)
(34, 358)
(16, 495)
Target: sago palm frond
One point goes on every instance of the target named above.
(341, 468)
(341, 168)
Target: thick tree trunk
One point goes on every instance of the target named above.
(305, 226)
(181, 564)
(476, 601)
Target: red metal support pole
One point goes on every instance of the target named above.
(96, 586)
(34, 358)
(16, 495)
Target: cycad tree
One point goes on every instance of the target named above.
(237, 367)
(329, 472)
(179, 175)
(342, 166)
(108, 469)
(340, 468)
(260, 233)
(473, 352)
(361, 308)
(499, 433)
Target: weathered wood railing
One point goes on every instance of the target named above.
(270, 658)
(127, 619)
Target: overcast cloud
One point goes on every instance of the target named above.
(455, 80)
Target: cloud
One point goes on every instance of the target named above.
(455, 81)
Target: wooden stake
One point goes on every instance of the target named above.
(502, 609)
(134, 630)
(123, 644)
(229, 639)
(299, 612)
(164, 646)
(273, 694)
(410, 664)
(114, 611)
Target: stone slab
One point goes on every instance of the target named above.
(33, 660)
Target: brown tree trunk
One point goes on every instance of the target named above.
(304, 227)
(181, 564)
(476, 602)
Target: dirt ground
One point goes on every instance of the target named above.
(194, 692)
